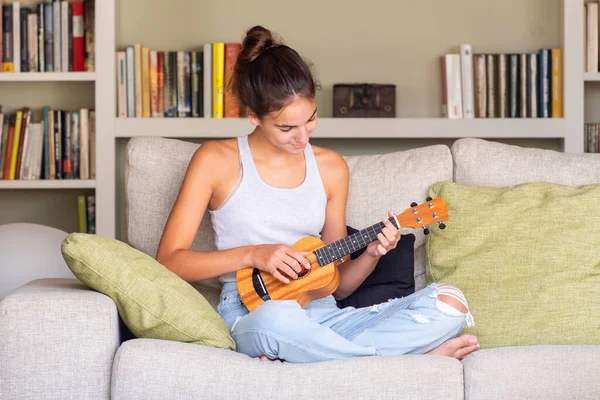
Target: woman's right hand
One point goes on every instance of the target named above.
(279, 258)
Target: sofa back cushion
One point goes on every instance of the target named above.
(484, 163)
(155, 168)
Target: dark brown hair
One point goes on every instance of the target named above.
(268, 74)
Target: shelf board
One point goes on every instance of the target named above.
(48, 184)
(47, 76)
(591, 76)
(349, 128)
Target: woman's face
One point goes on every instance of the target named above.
(289, 129)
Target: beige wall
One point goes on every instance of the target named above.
(380, 41)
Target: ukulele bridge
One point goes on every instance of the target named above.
(259, 285)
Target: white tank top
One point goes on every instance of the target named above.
(258, 213)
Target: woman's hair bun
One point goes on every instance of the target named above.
(257, 40)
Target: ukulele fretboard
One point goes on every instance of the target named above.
(349, 244)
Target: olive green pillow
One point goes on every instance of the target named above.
(152, 301)
(527, 259)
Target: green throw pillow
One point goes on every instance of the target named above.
(527, 259)
(152, 301)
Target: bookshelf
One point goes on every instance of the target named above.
(54, 202)
(567, 130)
(112, 130)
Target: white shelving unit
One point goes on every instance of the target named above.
(103, 104)
(110, 128)
(357, 128)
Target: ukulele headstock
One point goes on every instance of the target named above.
(424, 214)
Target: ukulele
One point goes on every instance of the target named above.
(323, 277)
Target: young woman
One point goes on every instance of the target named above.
(266, 190)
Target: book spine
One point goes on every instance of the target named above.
(131, 82)
(532, 86)
(207, 77)
(57, 31)
(17, 36)
(491, 85)
(7, 39)
(513, 79)
(49, 36)
(64, 35)
(218, 64)
(145, 82)
(24, 39)
(523, 85)
(468, 97)
(231, 106)
(78, 36)
(557, 83)
(480, 85)
(544, 83)
(121, 84)
(138, 79)
(153, 83)
(41, 62)
(161, 82)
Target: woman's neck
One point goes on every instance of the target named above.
(263, 149)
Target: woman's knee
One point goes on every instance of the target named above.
(454, 297)
(278, 316)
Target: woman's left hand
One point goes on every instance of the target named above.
(386, 240)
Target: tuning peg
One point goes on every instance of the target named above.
(425, 230)
(413, 204)
(428, 199)
(442, 225)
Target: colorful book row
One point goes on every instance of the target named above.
(60, 146)
(523, 85)
(54, 36)
(179, 83)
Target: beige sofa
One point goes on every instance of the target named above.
(60, 340)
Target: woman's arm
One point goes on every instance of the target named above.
(174, 250)
(199, 185)
(352, 272)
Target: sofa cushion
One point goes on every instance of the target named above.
(485, 163)
(526, 258)
(391, 181)
(533, 372)
(152, 301)
(155, 369)
(155, 168)
(392, 277)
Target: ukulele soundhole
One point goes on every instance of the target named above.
(303, 273)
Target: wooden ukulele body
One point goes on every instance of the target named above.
(315, 283)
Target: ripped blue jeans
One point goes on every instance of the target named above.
(281, 329)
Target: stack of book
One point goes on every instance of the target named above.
(86, 213)
(60, 146)
(590, 137)
(523, 85)
(54, 36)
(182, 84)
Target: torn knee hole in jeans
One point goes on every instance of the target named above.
(455, 293)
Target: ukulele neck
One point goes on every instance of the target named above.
(349, 244)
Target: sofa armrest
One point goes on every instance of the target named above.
(58, 339)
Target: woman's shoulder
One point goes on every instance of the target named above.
(331, 163)
(215, 150)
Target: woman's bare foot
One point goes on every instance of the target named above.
(458, 347)
(264, 358)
